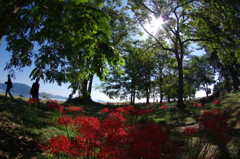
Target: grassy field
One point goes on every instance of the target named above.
(23, 127)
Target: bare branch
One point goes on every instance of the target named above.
(203, 39)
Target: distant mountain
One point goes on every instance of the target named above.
(56, 97)
(18, 89)
(24, 90)
(101, 101)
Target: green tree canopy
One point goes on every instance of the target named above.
(72, 41)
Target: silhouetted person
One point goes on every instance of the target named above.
(35, 91)
(9, 86)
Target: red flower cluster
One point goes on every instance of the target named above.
(163, 107)
(151, 141)
(55, 105)
(73, 108)
(105, 110)
(214, 121)
(60, 144)
(217, 102)
(64, 120)
(197, 104)
(128, 110)
(190, 131)
(33, 101)
(60, 108)
(112, 138)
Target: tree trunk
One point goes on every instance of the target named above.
(161, 85)
(84, 89)
(180, 103)
(147, 92)
(147, 101)
(234, 77)
(134, 93)
(90, 84)
(161, 97)
(86, 95)
(132, 98)
(206, 90)
(168, 98)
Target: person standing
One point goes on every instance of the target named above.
(35, 91)
(9, 86)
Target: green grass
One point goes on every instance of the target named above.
(19, 121)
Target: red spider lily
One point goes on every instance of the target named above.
(73, 108)
(217, 102)
(33, 101)
(146, 111)
(197, 104)
(128, 110)
(21, 95)
(105, 110)
(150, 141)
(87, 126)
(214, 121)
(190, 131)
(111, 130)
(110, 152)
(80, 147)
(56, 106)
(116, 116)
(114, 138)
(204, 111)
(64, 120)
(51, 101)
(60, 144)
(163, 107)
(98, 143)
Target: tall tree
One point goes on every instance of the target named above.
(227, 74)
(221, 19)
(175, 33)
(202, 72)
(137, 77)
(147, 65)
(163, 62)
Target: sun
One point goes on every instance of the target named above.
(154, 24)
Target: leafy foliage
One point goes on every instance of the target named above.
(72, 41)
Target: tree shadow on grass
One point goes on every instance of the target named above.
(14, 145)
